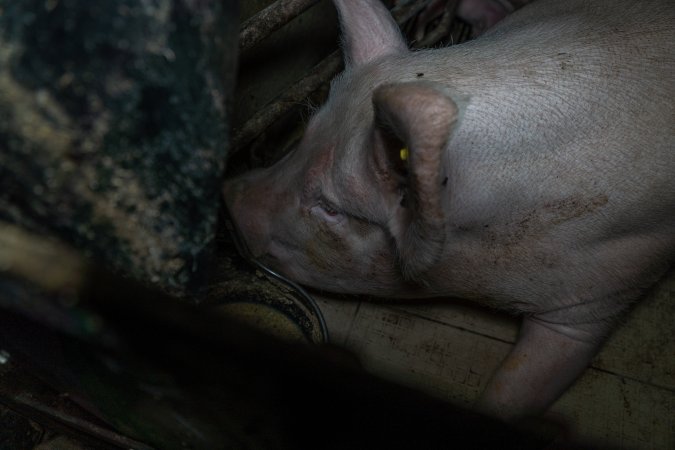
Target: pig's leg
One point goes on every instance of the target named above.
(545, 361)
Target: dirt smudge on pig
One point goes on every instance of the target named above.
(553, 213)
(573, 207)
(325, 242)
(505, 242)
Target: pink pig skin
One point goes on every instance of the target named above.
(540, 178)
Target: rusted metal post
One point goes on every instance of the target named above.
(269, 20)
(321, 73)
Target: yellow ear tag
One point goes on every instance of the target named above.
(404, 153)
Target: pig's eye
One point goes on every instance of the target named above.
(328, 212)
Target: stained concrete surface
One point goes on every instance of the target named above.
(625, 400)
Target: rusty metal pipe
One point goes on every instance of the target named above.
(322, 73)
(269, 20)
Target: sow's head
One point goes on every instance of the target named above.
(357, 206)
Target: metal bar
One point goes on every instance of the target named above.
(35, 406)
(269, 20)
(321, 73)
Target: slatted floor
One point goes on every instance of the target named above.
(626, 399)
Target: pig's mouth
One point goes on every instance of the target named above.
(281, 255)
(276, 255)
(279, 246)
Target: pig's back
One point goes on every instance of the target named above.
(561, 107)
(562, 163)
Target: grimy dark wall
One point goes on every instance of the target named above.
(113, 127)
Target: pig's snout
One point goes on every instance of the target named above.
(248, 206)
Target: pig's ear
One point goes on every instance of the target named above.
(414, 121)
(368, 31)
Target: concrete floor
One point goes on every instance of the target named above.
(625, 400)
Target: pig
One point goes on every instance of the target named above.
(531, 170)
(480, 14)
(483, 14)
